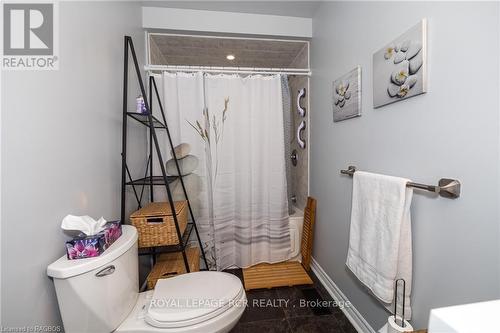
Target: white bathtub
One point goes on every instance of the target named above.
(296, 223)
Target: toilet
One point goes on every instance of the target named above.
(102, 295)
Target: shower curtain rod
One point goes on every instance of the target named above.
(236, 70)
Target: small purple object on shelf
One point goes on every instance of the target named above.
(140, 105)
(93, 246)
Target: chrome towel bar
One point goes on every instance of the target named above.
(447, 188)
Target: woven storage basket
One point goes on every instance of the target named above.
(172, 264)
(155, 223)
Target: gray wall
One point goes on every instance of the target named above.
(452, 131)
(61, 144)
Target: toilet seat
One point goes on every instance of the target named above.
(190, 299)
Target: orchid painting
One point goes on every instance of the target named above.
(399, 68)
(347, 95)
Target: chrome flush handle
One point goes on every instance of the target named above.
(106, 271)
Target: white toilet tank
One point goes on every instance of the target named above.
(97, 294)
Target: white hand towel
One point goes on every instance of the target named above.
(380, 236)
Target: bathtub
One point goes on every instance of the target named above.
(296, 223)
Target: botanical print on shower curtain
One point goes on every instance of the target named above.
(235, 128)
(211, 131)
(250, 208)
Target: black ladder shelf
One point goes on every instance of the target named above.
(152, 123)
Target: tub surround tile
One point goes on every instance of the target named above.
(300, 172)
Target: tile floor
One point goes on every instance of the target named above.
(285, 310)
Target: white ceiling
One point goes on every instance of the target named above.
(282, 8)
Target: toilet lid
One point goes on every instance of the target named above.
(192, 298)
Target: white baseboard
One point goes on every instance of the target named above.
(356, 319)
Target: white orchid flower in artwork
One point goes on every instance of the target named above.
(389, 52)
(342, 87)
(401, 76)
(408, 60)
(342, 93)
(403, 90)
(401, 73)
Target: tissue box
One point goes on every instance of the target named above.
(95, 245)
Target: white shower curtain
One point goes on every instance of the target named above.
(241, 207)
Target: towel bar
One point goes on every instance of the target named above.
(447, 188)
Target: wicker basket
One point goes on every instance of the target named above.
(172, 264)
(155, 223)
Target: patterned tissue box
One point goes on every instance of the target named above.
(93, 246)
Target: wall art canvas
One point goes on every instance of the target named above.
(347, 96)
(399, 68)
